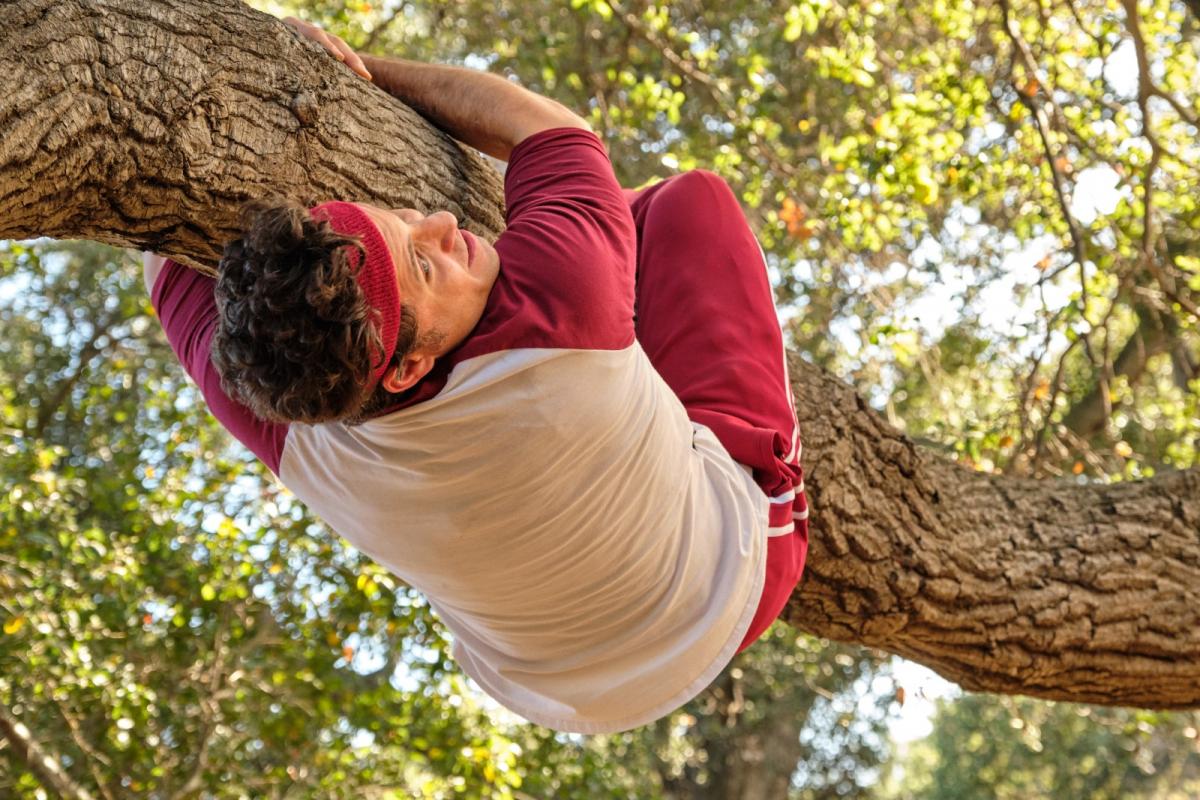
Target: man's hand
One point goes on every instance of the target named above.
(334, 44)
(487, 112)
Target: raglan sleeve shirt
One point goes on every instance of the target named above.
(597, 557)
(567, 255)
(567, 279)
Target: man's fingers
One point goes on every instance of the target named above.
(327, 42)
(309, 31)
(350, 57)
(355, 63)
(334, 44)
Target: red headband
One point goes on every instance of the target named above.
(377, 277)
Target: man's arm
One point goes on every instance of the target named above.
(481, 110)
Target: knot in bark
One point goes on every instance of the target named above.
(306, 109)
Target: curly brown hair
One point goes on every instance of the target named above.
(295, 333)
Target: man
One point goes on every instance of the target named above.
(578, 441)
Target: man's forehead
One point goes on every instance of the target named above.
(393, 229)
(385, 220)
(396, 235)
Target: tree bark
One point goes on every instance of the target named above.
(145, 123)
(1057, 589)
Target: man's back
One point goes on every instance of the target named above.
(597, 557)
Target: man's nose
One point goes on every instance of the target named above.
(441, 227)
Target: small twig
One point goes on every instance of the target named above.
(1055, 390)
(1043, 125)
(1026, 426)
(378, 30)
(1146, 89)
(44, 765)
(693, 72)
(815, 689)
(90, 349)
(209, 709)
(92, 754)
(594, 83)
(1085, 451)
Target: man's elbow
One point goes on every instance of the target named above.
(546, 115)
(563, 117)
(570, 119)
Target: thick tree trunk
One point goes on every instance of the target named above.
(1057, 589)
(145, 123)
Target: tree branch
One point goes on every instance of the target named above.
(720, 96)
(1155, 334)
(92, 754)
(1012, 27)
(45, 766)
(378, 30)
(1054, 589)
(1146, 89)
(86, 353)
(1059, 590)
(316, 129)
(1194, 6)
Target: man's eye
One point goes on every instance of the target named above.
(426, 267)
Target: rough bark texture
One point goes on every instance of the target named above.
(147, 124)
(144, 123)
(1056, 589)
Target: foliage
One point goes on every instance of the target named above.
(917, 172)
(789, 712)
(953, 199)
(172, 620)
(990, 747)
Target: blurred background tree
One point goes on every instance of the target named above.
(992, 747)
(983, 214)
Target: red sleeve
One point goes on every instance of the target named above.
(567, 257)
(183, 299)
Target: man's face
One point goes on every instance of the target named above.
(444, 274)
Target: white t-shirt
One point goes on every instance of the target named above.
(597, 556)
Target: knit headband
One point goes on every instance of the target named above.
(377, 277)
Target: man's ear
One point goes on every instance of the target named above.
(412, 369)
